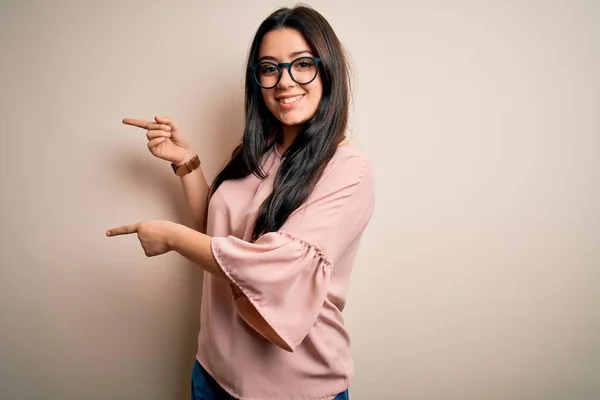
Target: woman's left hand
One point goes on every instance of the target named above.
(155, 236)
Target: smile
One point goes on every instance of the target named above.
(290, 100)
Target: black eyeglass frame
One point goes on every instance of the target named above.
(288, 65)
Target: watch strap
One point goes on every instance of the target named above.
(187, 167)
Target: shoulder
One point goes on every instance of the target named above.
(349, 170)
(347, 183)
(349, 163)
(350, 151)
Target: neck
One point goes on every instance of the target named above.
(288, 137)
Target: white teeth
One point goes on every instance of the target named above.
(289, 100)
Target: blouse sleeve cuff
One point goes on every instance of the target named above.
(283, 277)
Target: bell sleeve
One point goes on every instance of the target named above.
(280, 281)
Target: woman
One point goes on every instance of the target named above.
(278, 230)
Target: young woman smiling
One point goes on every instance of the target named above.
(278, 230)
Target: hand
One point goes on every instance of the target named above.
(154, 236)
(165, 140)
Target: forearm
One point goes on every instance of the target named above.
(195, 190)
(196, 247)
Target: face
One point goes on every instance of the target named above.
(290, 102)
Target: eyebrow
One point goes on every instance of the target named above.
(294, 54)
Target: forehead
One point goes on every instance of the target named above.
(281, 43)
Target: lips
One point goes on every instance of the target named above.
(289, 99)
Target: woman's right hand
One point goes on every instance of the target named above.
(165, 140)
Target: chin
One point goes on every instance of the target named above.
(292, 121)
(295, 118)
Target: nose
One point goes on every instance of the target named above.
(286, 80)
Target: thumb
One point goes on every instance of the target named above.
(167, 121)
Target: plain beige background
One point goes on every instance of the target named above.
(478, 278)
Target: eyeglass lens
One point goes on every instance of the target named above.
(302, 71)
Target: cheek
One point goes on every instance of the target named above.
(316, 94)
(269, 99)
(316, 88)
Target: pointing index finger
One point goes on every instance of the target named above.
(140, 123)
(123, 230)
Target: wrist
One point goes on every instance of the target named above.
(174, 236)
(187, 157)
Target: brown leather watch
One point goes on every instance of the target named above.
(187, 167)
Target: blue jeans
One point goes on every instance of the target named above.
(204, 387)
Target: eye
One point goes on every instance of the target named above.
(267, 69)
(305, 63)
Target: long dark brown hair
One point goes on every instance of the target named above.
(304, 161)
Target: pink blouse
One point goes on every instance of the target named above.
(277, 331)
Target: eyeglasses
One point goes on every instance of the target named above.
(302, 70)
